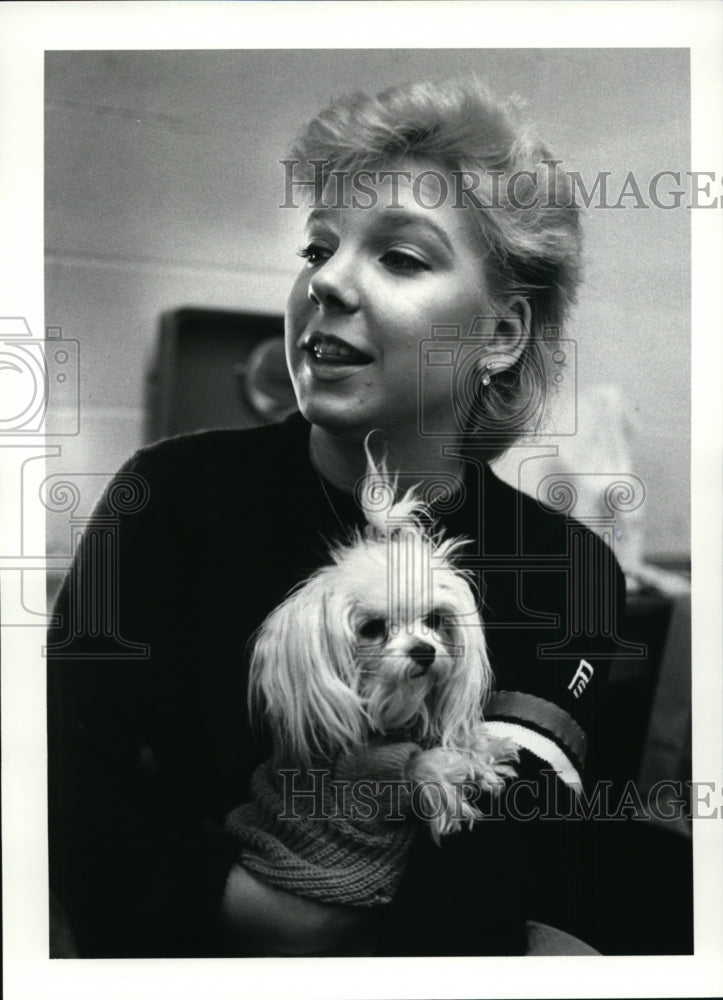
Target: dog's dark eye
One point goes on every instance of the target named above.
(434, 621)
(375, 628)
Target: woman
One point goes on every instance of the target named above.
(440, 247)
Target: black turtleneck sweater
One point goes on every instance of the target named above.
(150, 744)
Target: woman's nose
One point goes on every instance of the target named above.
(333, 285)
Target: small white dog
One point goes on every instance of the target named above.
(374, 668)
(386, 642)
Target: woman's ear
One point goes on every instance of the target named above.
(511, 333)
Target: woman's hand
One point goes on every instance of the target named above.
(261, 920)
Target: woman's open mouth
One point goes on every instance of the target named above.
(326, 349)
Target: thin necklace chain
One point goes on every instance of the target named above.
(328, 499)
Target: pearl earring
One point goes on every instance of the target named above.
(486, 377)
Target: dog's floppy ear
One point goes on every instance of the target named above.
(458, 704)
(304, 676)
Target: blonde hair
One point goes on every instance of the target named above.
(525, 211)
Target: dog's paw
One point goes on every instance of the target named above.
(445, 808)
(492, 762)
(464, 815)
(440, 764)
(447, 781)
(443, 783)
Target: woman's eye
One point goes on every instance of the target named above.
(400, 260)
(314, 253)
(374, 628)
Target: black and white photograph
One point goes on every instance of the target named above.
(366, 522)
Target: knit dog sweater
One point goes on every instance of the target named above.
(299, 832)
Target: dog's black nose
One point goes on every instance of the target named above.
(423, 654)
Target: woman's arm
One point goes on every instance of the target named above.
(552, 706)
(474, 894)
(261, 920)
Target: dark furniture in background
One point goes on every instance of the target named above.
(216, 368)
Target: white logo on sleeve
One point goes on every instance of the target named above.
(583, 676)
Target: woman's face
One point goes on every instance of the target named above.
(374, 283)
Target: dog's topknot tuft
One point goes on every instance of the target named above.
(377, 493)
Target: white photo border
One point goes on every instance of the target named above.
(26, 31)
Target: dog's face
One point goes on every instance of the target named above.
(409, 616)
(387, 639)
